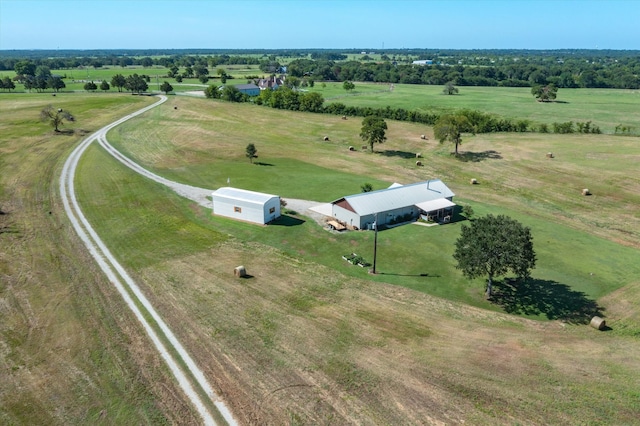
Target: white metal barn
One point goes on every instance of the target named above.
(398, 203)
(246, 205)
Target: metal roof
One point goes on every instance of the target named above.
(440, 203)
(243, 194)
(397, 197)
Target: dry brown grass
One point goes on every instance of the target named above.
(297, 341)
(70, 351)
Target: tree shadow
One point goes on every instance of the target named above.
(545, 297)
(286, 220)
(425, 275)
(260, 163)
(396, 153)
(475, 157)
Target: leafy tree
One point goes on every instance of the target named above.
(7, 84)
(212, 92)
(166, 87)
(136, 83)
(203, 78)
(118, 81)
(173, 71)
(451, 127)
(544, 93)
(251, 152)
(179, 78)
(373, 130)
(366, 187)
(450, 89)
(56, 83)
(231, 94)
(104, 86)
(311, 102)
(55, 117)
(90, 86)
(348, 86)
(467, 211)
(25, 67)
(492, 246)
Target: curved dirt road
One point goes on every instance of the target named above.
(161, 336)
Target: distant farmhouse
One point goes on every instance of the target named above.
(431, 199)
(423, 62)
(246, 205)
(272, 82)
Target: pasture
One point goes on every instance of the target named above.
(309, 338)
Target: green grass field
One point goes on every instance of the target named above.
(306, 317)
(294, 163)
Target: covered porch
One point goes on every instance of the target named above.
(440, 210)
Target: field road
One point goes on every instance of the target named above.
(189, 376)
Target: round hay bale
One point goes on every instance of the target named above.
(473, 181)
(549, 154)
(344, 117)
(423, 136)
(586, 192)
(175, 107)
(598, 323)
(418, 155)
(351, 148)
(326, 138)
(418, 163)
(240, 271)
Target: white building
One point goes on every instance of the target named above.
(398, 203)
(246, 205)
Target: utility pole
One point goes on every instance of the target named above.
(375, 242)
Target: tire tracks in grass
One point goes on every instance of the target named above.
(189, 376)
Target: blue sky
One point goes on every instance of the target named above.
(277, 24)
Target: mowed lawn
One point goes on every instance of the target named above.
(605, 108)
(202, 143)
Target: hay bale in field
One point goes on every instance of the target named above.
(351, 148)
(473, 181)
(586, 192)
(418, 155)
(549, 154)
(175, 107)
(240, 271)
(326, 138)
(344, 117)
(418, 163)
(423, 137)
(598, 323)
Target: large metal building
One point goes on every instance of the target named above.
(395, 204)
(246, 205)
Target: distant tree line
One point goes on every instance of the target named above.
(618, 69)
(288, 98)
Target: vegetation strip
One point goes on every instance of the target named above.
(131, 292)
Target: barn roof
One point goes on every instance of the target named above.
(396, 197)
(243, 194)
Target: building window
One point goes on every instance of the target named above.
(237, 209)
(272, 210)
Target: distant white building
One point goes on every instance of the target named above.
(246, 205)
(398, 203)
(423, 62)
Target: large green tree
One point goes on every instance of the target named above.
(136, 83)
(56, 83)
(348, 86)
(118, 81)
(166, 87)
(492, 246)
(546, 93)
(373, 130)
(450, 128)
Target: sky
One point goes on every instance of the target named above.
(330, 24)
